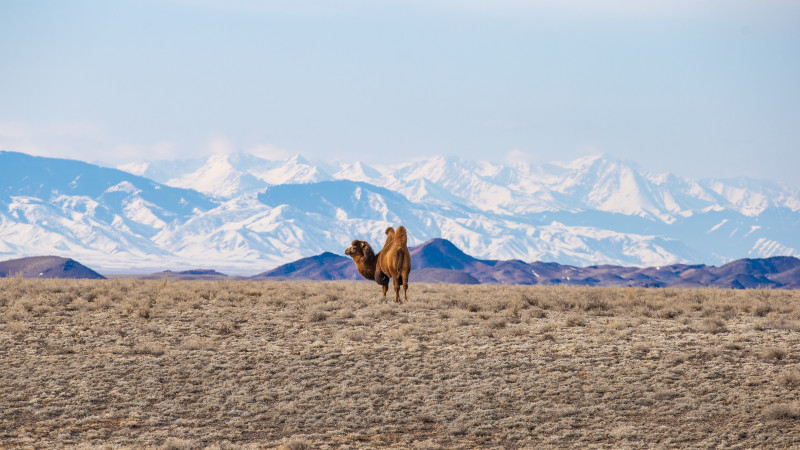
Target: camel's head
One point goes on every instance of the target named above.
(357, 248)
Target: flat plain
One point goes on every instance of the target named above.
(229, 364)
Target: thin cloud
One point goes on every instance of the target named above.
(60, 139)
(221, 144)
(270, 152)
(519, 156)
(167, 150)
(15, 130)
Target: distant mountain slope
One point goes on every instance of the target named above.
(257, 214)
(593, 210)
(326, 266)
(592, 183)
(439, 261)
(46, 267)
(192, 274)
(105, 217)
(52, 178)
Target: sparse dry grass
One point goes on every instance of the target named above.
(306, 365)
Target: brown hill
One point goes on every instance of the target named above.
(439, 261)
(193, 274)
(46, 267)
(326, 266)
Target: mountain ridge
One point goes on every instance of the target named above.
(591, 211)
(439, 261)
(46, 267)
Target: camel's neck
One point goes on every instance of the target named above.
(366, 266)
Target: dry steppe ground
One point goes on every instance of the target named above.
(186, 364)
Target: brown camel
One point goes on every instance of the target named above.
(393, 261)
(367, 262)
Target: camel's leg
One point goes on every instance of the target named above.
(405, 288)
(396, 289)
(385, 289)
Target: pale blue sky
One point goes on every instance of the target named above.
(700, 88)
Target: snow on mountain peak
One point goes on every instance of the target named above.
(136, 168)
(218, 177)
(297, 159)
(592, 210)
(357, 171)
(124, 186)
(295, 170)
(583, 162)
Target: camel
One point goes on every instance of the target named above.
(367, 262)
(393, 261)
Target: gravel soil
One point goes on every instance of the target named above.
(229, 364)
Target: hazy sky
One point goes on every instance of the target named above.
(700, 88)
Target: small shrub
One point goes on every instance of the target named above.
(226, 327)
(713, 325)
(790, 379)
(387, 311)
(575, 320)
(104, 302)
(777, 323)
(18, 328)
(697, 297)
(148, 349)
(317, 316)
(662, 394)
(357, 335)
(641, 348)
(628, 294)
(518, 331)
(497, 324)
(782, 411)
(529, 300)
(567, 411)
(595, 302)
(426, 418)
(173, 443)
(774, 354)
(537, 313)
(546, 337)
(297, 444)
(669, 313)
(678, 359)
(619, 324)
(196, 343)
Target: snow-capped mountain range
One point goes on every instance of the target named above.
(244, 214)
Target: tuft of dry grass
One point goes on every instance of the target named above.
(317, 316)
(149, 348)
(17, 328)
(774, 354)
(297, 444)
(575, 320)
(230, 364)
(782, 411)
(173, 443)
(790, 379)
(713, 325)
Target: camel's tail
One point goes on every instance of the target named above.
(400, 236)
